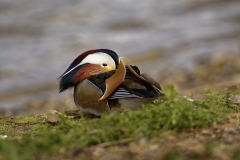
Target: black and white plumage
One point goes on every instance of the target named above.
(98, 89)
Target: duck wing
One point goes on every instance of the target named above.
(136, 85)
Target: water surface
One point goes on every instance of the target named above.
(39, 39)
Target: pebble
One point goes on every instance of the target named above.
(231, 130)
(235, 99)
(206, 132)
(229, 140)
(93, 132)
(143, 140)
(171, 138)
(54, 120)
(3, 136)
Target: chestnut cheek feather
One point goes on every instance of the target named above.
(87, 71)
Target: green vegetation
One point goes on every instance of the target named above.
(31, 137)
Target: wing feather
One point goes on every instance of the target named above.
(123, 93)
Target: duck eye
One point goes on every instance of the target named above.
(104, 64)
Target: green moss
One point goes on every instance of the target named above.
(30, 136)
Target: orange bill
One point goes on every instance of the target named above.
(115, 80)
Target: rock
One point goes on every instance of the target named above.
(54, 120)
(231, 130)
(171, 138)
(143, 140)
(206, 133)
(3, 136)
(235, 99)
(93, 132)
(228, 140)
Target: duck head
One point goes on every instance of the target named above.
(94, 62)
(87, 64)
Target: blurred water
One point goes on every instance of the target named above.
(39, 39)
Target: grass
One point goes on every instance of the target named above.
(31, 137)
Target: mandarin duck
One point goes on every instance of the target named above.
(103, 82)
